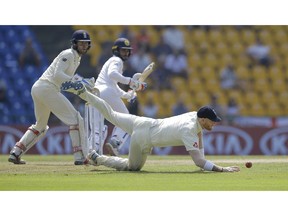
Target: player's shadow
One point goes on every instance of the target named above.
(173, 172)
(145, 172)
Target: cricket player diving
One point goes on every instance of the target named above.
(47, 98)
(146, 133)
(107, 83)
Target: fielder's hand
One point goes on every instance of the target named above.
(137, 85)
(130, 96)
(231, 169)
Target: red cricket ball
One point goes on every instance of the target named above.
(248, 164)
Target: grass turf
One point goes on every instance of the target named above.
(160, 173)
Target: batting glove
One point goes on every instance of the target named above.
(136, 76)
(137, 85)
(130, 96)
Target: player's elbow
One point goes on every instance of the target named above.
(200, 163)
(197, 158)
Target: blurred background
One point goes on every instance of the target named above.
(241, 71)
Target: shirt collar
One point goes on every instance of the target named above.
(76, 54)
(199, 128)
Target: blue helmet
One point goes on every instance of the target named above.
(80, 35)
(121, 43)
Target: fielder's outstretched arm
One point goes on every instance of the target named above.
(201, 162)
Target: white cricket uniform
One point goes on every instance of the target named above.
(107, 83)
(147, 133)
(46, 93)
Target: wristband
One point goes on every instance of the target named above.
(208, 166)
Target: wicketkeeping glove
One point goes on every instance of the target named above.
(89, 83)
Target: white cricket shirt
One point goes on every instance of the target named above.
(111, 74)
(177, 131)
(62, 68)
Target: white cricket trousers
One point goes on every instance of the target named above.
(47, 98)
(137, 127)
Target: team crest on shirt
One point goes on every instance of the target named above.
(64, 59)
(195, 145)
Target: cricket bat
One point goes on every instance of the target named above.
(146, 72)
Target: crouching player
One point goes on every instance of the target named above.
(47, 98)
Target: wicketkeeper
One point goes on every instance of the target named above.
(47, 98)
(146, 133)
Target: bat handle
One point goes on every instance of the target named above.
(131, 101)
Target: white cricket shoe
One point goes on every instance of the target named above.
(13, 158)
(113, 147)
(76, 87)
(92, 157)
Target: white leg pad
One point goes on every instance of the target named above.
(31, 137)
(78, 139)
(94, 123)
(83, 141)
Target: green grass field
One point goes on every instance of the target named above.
(160, 173)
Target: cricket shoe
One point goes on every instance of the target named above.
(76, 87)
(81, 162)
(112, 147)
(13, 158)
(92, 156)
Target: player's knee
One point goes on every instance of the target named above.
(134, 168)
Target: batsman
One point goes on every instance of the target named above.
(146, 133)
(107, 83)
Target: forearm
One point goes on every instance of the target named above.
(119, 78)
(209, 166)
(201, 146)
(201, 162)
(60, 76)
(202, 152)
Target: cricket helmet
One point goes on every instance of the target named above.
(208, 112)
(121, 43)
(80, 35)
